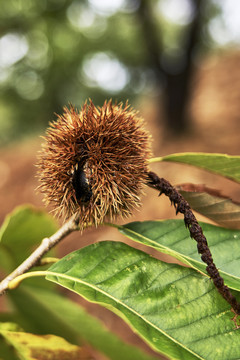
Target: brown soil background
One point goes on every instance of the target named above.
(215, 112)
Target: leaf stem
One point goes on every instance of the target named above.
(13, 284)
(110, 224)
(156, 159)
(46, 244)
(196, 233)
(47, 261)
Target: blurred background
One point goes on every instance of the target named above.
(55, 52)
(176, 61)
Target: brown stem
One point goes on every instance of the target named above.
(46, 244)
(196, 233)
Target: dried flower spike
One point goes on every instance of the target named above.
(94, 162)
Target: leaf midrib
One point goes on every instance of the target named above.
(57, 275)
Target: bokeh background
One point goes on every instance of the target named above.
(55, 52)
(176, 61)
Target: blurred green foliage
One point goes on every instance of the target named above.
(55, 52)
(53, 48)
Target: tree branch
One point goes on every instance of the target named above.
(46, 244)
(196, 233)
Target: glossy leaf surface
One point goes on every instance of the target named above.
(172, 238)
(175, 309)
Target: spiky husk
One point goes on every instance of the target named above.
(117, 149)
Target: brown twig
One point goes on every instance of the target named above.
(46, 244)
(196, 233)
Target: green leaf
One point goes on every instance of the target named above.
(25, 227)
(6, 352)
(171, 237)
(175, 309)
(222, 164)
(9, 326)
(48, 312)
(211, 204)
(38, 317)
(31, 347)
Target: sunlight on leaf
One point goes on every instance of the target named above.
(221, 164)
(30, 347)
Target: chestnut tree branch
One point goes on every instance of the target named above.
(196, 233)
(46, 244)
(181, 206)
